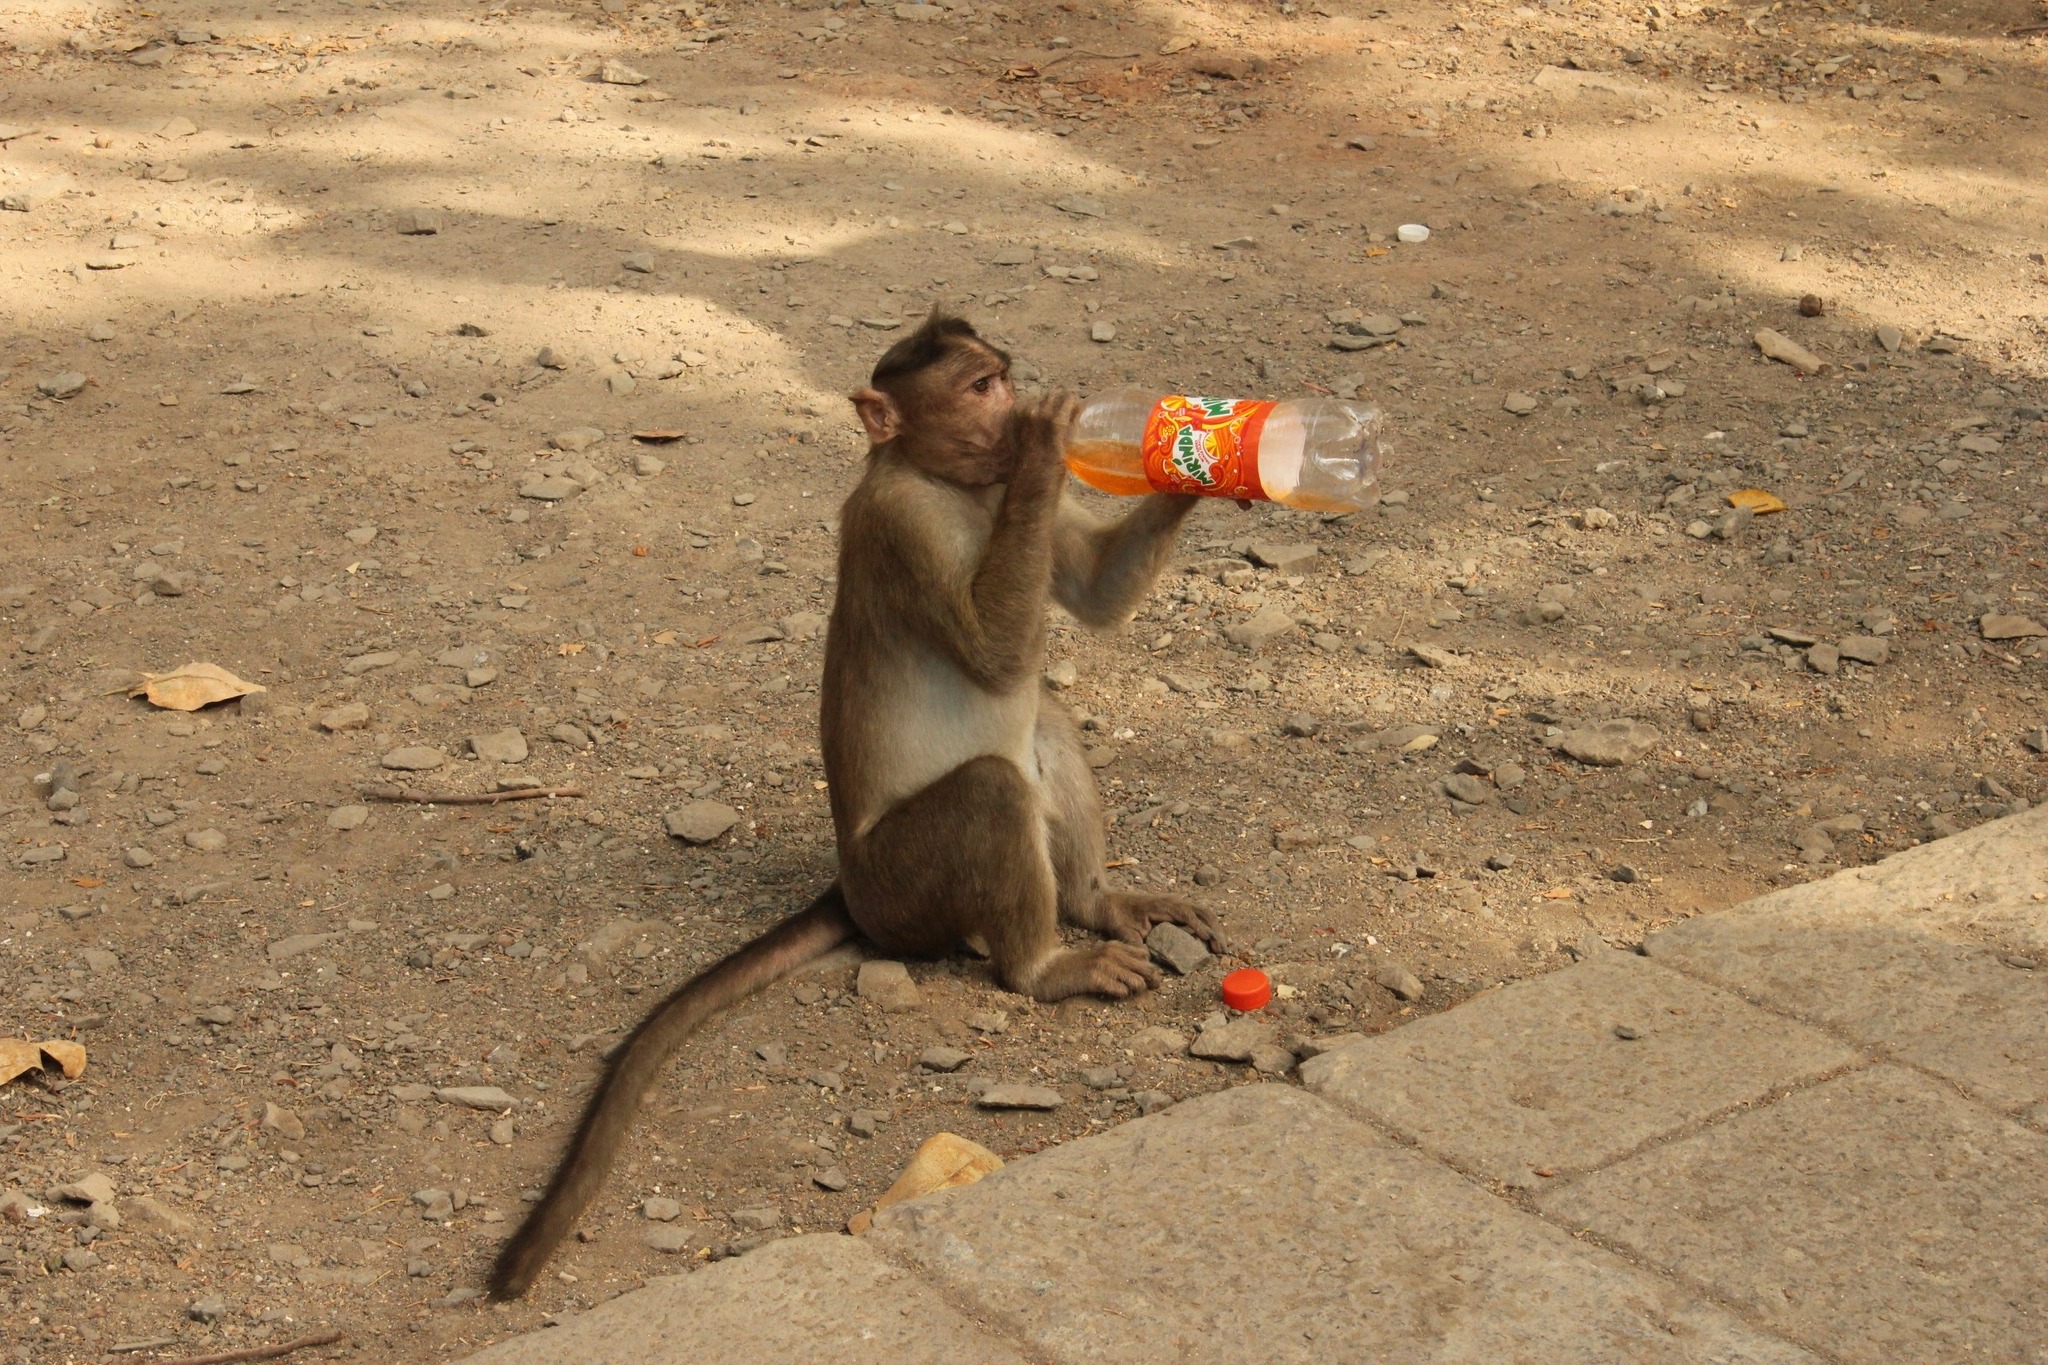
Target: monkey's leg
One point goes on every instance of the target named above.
(1074, 841)
(967, 856)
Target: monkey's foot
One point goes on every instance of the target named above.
(1130, 915)
(1112, 969)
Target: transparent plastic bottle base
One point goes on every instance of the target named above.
(1317, 454)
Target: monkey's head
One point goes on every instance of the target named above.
(943, 396)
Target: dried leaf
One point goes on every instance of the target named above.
(1558, 893)
(660, 436)
(945, 1161)
(193, 686)
(664, 637)
(89, 883)
(68, 1055)
(569, 647)
(18, 1055)
(640, 552)
(1756, 500)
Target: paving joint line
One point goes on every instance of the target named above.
(1877, 1052)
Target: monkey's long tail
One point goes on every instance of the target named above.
(802, 938)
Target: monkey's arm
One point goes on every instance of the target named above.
(1102, 570)
(986, 613)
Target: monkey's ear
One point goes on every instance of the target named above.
(878, 414)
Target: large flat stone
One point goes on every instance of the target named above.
(1878, 1217)
(802, 1298)
(1892, 982)
(1535, 1076)
(1990, 881)
(1262, 1221)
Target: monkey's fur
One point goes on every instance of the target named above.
(961, 801)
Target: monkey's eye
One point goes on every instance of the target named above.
(981, 385)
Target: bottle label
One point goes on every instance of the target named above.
(1208, 446)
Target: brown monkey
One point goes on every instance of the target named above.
(962, 803)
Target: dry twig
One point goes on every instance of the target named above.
(385, 793)
(282, 1348)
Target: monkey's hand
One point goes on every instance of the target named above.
(1038, 433)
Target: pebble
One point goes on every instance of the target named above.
(671, 1240)
(1865, 649)
(943, 1058)
(1178, 949)
(1467, 788)
(283, 1122)
(499, 746)
(1234, 1041)
(889, 986)
(67, 385)
(1890, 337)
(352, 716)
(1520, 404)
(1102, 331)
(348, 817)
(700, 822)
(138, 858)
(1398, 979)
(2000, 626)
(488, 1097)
(1301, 725)
(833, 1178)
(414, 758)
(660, 1209)
(1609, 743)
(418, 222)
(616, 72)
(206, 840)
(1824, 659)
(1263, 626)
(1010, 1095)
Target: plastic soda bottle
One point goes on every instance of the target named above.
(1318, 454)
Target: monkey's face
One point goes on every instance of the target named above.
(950, 418)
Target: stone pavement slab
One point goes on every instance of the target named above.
(823, 1297)
(1876, 1217)
(1891, 981)
(1536, 1077)
(1990, 881)
(1261, 1223)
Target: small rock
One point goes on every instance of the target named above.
(660, 1209)
(67, 385)
(889, 986)
(206, 840)
(1626, 874)
(414, 758)
(639, 262)
(487, 1097)
(700, 822)
(1890, 337)
(943, 1059)
(418, 222)
(1998, 626)
(1301, 725)
(1405, 984)
(499, 746)
(671, 1240)
(1610, 743)
(1520, 404)
(209, 1309)
(832, 1178)
(616, 72)
(1177, 948)
(1010, 1095)
(137, 858)
(88, 1189)
(1283, 558)
(283, 1122)
(1467, 788)
(756, 1219)
(1824, 659)
(1865, 649)
(352, 716)
(1261, 627)
(348, 817)
(1231, 1042)
(1102, 331)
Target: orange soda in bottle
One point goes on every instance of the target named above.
(1317, 454)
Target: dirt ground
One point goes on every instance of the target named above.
(327, 328)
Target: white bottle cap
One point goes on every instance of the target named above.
(1412, 232)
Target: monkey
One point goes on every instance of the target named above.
(962, 803)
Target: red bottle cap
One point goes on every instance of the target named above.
(1247, 989)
